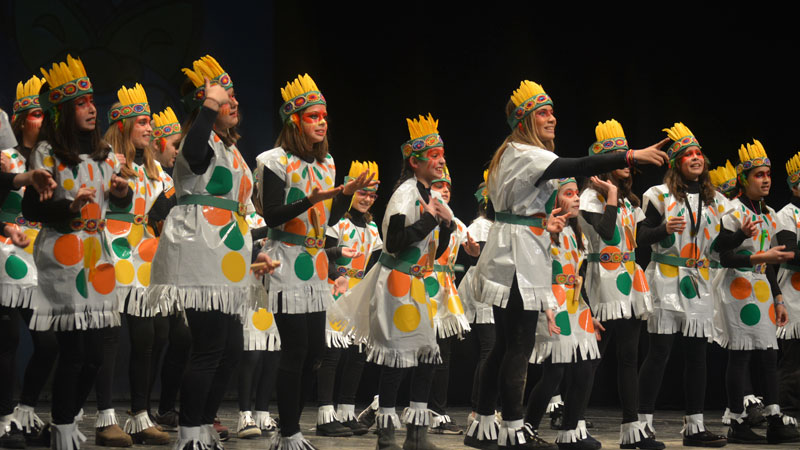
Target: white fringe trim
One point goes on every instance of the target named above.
(484, 428)
(648, 419)
(303, 298)
(105, 418)
(16, 295)
(450, 325)
(771, 410)
(693, 327)
(193, 436)
(511, 433)
(564, 351)
(483, 314)
(583, 433)
(567, 436)
(79, 416)
(346, 413)
(66, 436)
(727, 416)
(138, 423)
(27, 419)
(46, 319)
(336, 339)
(261, 341)
(632, 432)
(746, 342)
(417, 414)
(693, 424)
(790, 331)
(533, 299)
(385, 416)
(326, 414)
(264, 421)
(751, 399)
(294, 442)
(554, 403)
(229, 300)
(136, 298)
(403, 358)
(5, 423)
(210, 436)
(438, 419)
(613, 310)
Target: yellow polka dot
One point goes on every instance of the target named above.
(406, 318)
(31, 233)
(572, 301)
(283, 160)
(631, 267)
(762, 291)
(667, 270)
(328, 204)
(91, 252)
(262, 319)
(568, 256)
(295, 177)
(433, 307)
(554, 251)
(721, 208)
(737, 214)
(454, 305)
(49, 161)
(336, 326)
(328, 180)
(135, 235)
(704, 273)
(123, 270)
(346, 238)
(142, 190)
(234, 267)
(242, 222)
(143, 274)
(69, 184)
(352, 282)
(716, 227)
(418, 290)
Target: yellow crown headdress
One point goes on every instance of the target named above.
(793, 170)
(165, 124)
(66, 80)
(750, 157)
(133, 102)
(682, 138)
(527, 98)
(723, 178)
(445, 177)
(610, 137)
(299, 94)
(424, 133)
(357, 168)
(483, 192)
(27, 95)
(205, 67)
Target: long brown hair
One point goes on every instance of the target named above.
(293, 140)
(525, 134)
(624, 188)
(677, 186)
(229, 137)
(119, 137)
(572, 222)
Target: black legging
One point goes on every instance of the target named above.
(736, 375)
(80, 357)
(142, 334)
(261, 368)
(9, 340)
(104, 383)
(694, 372)
(506, 367)
(391, 377)
(441, 377)
(577, 380)
(302, 344)
(626, 334)
(43, 358)
(353, 362)
(217, 344)
(485, 334)
(172, 329)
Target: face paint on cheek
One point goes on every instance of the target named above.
(225, 109)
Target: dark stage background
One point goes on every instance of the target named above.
(726, 73)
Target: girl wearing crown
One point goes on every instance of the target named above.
(166, 138)
(680, 278)
(299, 201)
(75, 296)
(751, 304)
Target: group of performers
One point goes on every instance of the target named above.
(286, 274)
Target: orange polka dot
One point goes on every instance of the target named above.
(772, 314)
(5, 240)
(443, 259)
(117, 226)
(103, 279)
(62, 166)
(708, 235)
(629, 239)
(585, 321)
(566, 242)
(320, 207)
(398, 283)
(358, 262)
(568, 269)
(216, 216)
(741, 288)
(610, 265)
(322, 265)
(671, 206)
(91, 172)
(68, 249)
(640, 281)
(245, 189)
(796, 281)
(295, 226)
(216, 138)
(690, 251)
(560, 294)
(138, 206)
(147, 249)
(91, 211)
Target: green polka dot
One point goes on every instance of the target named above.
(750, 314)
(80, 284)
(687, 287)
(615, 239)
(304, 267)
(122, 248)
(431, 286)
(624, 283)
(410, 255)
(16, 267)
(668, 241)
(562, 321)
(572, 241)
(353, 233)
(343, 261)
(316, 171)
(548, 207)
(75, 171)
(416, 203)
(231, 236)
(114, 208)
(373, 225)
(13, 203)
(14, 156)
(557, 269)
(304, 173)
(221, 181)
(294, 195)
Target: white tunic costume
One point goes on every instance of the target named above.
(259, 329)
(475, 310)
(788, 219)
(450, 319)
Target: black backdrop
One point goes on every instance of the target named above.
(725, 72)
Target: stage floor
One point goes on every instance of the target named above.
(606, 429)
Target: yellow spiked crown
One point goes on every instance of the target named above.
(527, 98)
(133, 102)
(358, 167)
(793, 170)
(299, 94)
(723, 177)
(66, 80)
(482, 193)
(750, 157)
(205, 67)
(165, 124)
(27, 95)
(424, 133)
(682, 138)
(610, 137)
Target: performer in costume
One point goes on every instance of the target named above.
(166, 138)
(75, 296)
(522, 188)
(213, 185)
(299, 201)
(751, 304)
(567, 356)
(357, 231)
(683, 302)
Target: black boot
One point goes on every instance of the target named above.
(740, 433)
(386, 438)
(779, 431)
(417, 438)
(704, 439)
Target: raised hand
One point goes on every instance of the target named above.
(676, 224)
(429, 207)
(348, 252)
(749, 227)
(653, 154)
(217, 94)
(609, 187)
(442, 211)
(471, 247)
(556, 223)
(318, 195)
(119, 186)
(85, 195)
(121, 158)
(44, 183)
(340, 286)
(16, 235)
(364, 180)
(264, 264)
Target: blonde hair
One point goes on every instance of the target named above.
(120, 140)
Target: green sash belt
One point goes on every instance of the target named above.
(684, 262)
(393, 263)
(296, 239)
(127, 217)
(216, 202)
(612, 257)
(506, 217)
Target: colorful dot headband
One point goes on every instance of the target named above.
(751, 157)
(566, 181)
(610, 137)
(26, 103)
(527, 98)
(195, 98)
(418, 147)
(302, 101)
(27, 95)
(70, 81)
(793, 170)
(165, 124)
(723, 177)
(608, 145)
(679, 146)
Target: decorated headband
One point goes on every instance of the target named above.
(566, 181)
(205, 67)
(445, 177)
(424, 134)
(133, 102)
(682, 138)
(67, 80)
(299, 95)
(482, 194)
(610, 137)
(527, 98)
(751, 157)
(27, 95)
(723, 178)
(357, 168)
(165, 124)
(793, 170)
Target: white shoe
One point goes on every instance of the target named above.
(247, 428)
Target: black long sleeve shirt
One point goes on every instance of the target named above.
(651, 229)
(584, 166)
